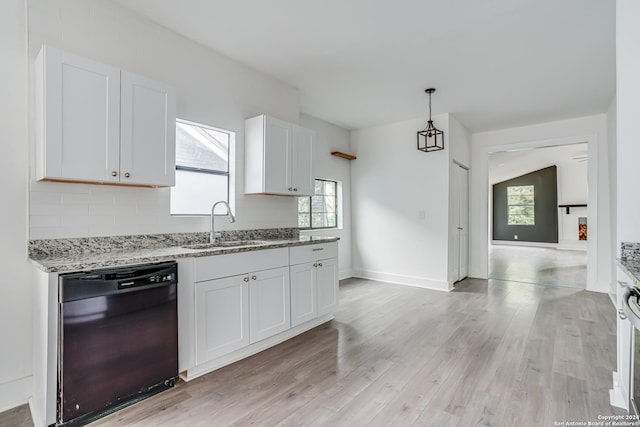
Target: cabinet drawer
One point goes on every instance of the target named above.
(307, 253)
(213, 267)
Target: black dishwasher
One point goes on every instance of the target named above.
(118, 339)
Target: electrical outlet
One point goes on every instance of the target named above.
(515, 236)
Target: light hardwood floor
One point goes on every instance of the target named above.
(544, 266)
(490, 353)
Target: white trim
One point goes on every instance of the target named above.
(15, 393)
(573, 245)
(346, 273)
(524, 243)
(419, 282)
(616, 394)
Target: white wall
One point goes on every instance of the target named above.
(628, 112)
(400, 199)
(210, 88)
(325, 166)
(572, 188)
(592, 129)
(15, 286)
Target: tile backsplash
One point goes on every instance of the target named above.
(81, 210)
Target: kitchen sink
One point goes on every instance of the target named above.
(227, 244)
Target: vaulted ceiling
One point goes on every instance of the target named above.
(359, 63)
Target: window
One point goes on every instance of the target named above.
(202, 168)
(520, 202)
(320, 210)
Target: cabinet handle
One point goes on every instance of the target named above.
(295, 189)
(317, 249)
(319, 264)
(290, 188)
(315, 264)
(114, 173)
(254, 277)
(127, 175)
(621, 315)
(246, 279)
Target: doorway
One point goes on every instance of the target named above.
(538, 215)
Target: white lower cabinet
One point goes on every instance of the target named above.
(303, 293)
(234, 305)
(314, 281)
(327, 280)
(269, 303)
(222, 316)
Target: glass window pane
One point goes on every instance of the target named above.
(201, 147)
(317, 220)
(520, 190)
(330, 188)
(195, 192)
(520, 200)
(304, 204)
(332, 220)
(304, 221)
(329, 204)
(317, 204)
(318, 187)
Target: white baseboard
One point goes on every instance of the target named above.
(523, 243)
(15, 393)
(420, 282)
(345, 274)
(617, 396)
(573, 245)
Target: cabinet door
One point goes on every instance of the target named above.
(303, 293)
(277, 156)
(302, 162)
(148, 134)
(222, 316)
(327, 285)
(269, 303)
(81, 112)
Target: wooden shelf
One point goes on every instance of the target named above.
(568, 207)
(343, 155)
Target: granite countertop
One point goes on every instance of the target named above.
(629, 261)
(67, 255)
(632, 269)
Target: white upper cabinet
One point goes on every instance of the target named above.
(97, 123)
(147, 131)
(278, 157)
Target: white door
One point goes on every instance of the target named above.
(327, 285)
(222, 316)
(302, 162)
(461, 219)
(277, 152)
(269, 303)
(82, 121)
(148, 132)
(303, 293)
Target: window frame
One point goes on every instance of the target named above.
(231, 136)
(531, 205)
(335, 196)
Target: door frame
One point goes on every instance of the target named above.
(480, 238)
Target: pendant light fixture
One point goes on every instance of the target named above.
(430, 138)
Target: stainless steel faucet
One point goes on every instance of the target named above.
(213, 236)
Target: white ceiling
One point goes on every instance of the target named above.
(359, 63)
(505, 165)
